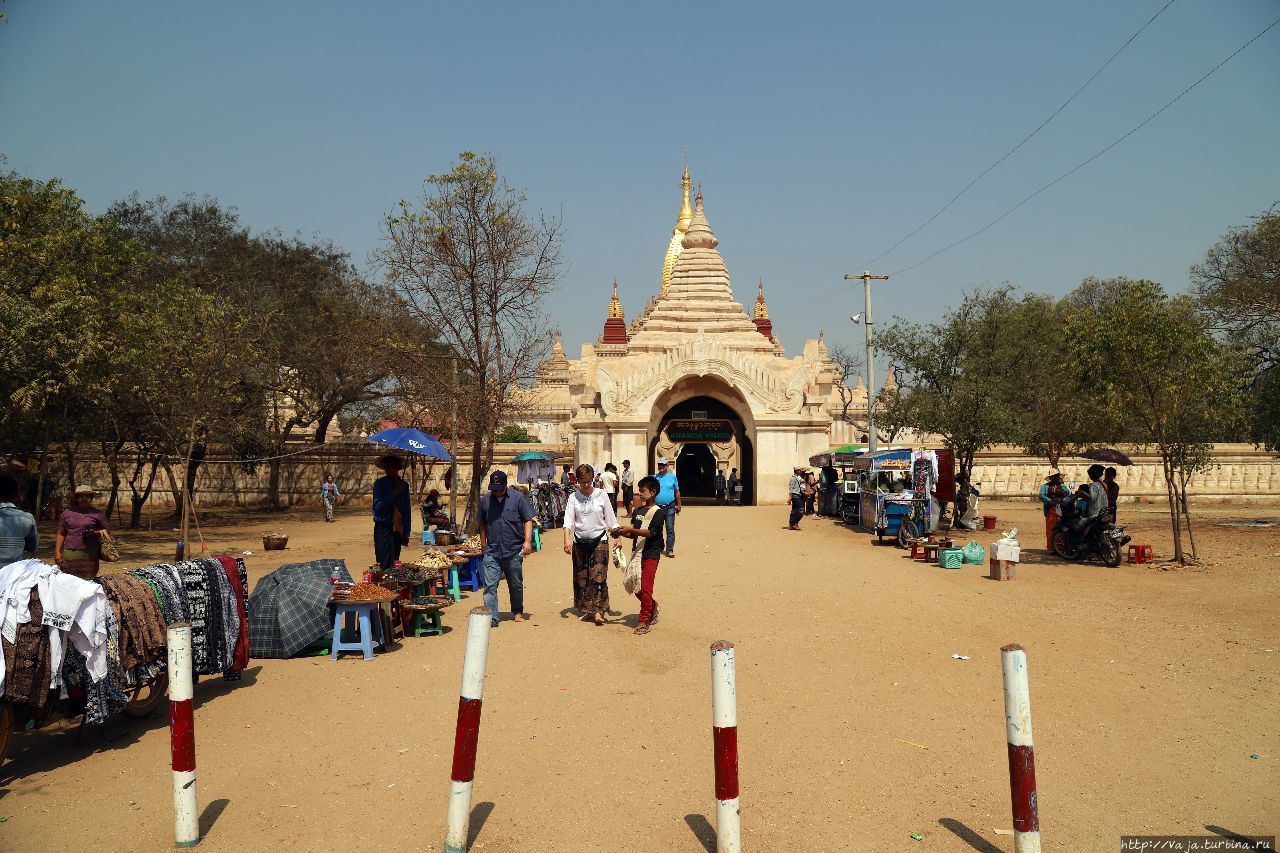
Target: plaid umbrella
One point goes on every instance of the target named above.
(289, 608)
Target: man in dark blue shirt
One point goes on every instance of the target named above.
(506, 535)
(391, 517)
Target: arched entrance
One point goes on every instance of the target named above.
(702, 434)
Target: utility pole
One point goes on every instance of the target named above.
(872, 392)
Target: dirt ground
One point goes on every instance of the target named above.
(1151, 691)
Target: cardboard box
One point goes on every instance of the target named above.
(1002, 570)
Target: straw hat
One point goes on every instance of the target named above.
(85, 490)
(388, 462)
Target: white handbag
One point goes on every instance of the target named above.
(632, 573)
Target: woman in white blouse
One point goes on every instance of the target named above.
(588, 518)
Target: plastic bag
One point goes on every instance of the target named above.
(974, 553)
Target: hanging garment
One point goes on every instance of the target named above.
(235, 570)
(142, 630)
(168, 584)
(16, 582)
(195, 582)
(27, 665)
(224, 623)
(73, 610)
(105, 696)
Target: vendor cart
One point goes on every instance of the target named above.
(887, 498)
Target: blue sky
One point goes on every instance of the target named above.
(821, 133)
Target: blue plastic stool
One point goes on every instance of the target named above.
(428, 537)
(537, 538)
(365, 613)
(474, 576)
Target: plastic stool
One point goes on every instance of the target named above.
(931, 551)
(1141, 554)
(368, 625)
(917, 549)
(427, 622)
(428, 537)
(455, 591)
(537, 539)
(474, 578)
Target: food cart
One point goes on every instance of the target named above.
(887, 495)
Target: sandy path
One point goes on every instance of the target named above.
(1150, 691)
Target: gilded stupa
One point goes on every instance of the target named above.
(683, 220)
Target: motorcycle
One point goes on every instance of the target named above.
(1078, 538)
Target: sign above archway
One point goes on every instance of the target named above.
(711, 429)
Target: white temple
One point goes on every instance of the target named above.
(695, 379)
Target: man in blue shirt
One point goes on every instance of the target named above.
(506, 536)
(391, 519)
(17, 528)
(668, 499)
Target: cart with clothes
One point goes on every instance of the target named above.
(99, 648)
(904, 492)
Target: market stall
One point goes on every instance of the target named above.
(900, 485)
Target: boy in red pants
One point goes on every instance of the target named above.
(647, 524)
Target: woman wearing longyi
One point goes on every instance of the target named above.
(77, 547)
(588, 518)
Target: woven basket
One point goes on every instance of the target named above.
(274, 541)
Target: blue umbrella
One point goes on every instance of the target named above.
(535, 456)
(413, 441)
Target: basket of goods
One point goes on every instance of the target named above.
(472, 545)
(342, 590)
(428, 602)
(433, 560)
(274, 541)
(369, 592)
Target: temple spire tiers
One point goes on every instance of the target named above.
(683, 219)
(761, 314)
(615, 328)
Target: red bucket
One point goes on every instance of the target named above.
(988, 522)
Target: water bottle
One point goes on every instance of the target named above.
(334, 576)
(182, 548)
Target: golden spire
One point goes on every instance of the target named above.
(762, 310)
(615, 306)
(683, 221)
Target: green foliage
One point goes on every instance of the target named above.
(1238, 288)
(514, 434)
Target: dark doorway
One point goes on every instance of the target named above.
(696, 471)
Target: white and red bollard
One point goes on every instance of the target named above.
(724, 736)
(458, 823)
(1022, 759)
(182, 736)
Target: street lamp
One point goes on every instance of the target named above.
(865, 317)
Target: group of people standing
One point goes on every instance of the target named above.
(813, 494)
(1089, 501)
(78, 541)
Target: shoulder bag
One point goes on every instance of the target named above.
(631, 574)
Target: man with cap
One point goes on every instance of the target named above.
(391, 519)
(506, 537)
(668, 499)
(796, 489)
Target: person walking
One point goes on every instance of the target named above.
(628, 483)
(647, 524)
(588, 516)
(77, 546)
(506, 538)
(609, 482)
(796, 489)
(810, 492)
(721, 485)
(566, 478)
(18, 531)
(329, 495)
(1052, 494)
(668, 499)
(391, 519)
(1113, 491)
(732, 484)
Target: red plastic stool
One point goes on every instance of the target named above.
(917, 549)
(1141, 554)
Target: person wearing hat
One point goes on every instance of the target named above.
(77, 546)
(432, 512)
(506, 537)
(391, 518)
(1052, 494)
(668, 499)
(796, 489)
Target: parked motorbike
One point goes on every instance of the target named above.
(1077, 538)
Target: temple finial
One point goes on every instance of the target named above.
(615, 304)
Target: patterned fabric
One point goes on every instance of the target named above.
(142, 639)
(591, 578)
(27, 663)
(106, 697)
(235, 570)
(168, 584)
(195, 581)
(225, 628)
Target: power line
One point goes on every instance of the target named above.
(1024, 141)
(1098, 154)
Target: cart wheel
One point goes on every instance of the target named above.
(145, 698)
(907, 531)
(6, 728)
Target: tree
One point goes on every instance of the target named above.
(949, 372)
(848, 366)
(514, 434)
(1162, 375)
(472, 264)
(1238, 288)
